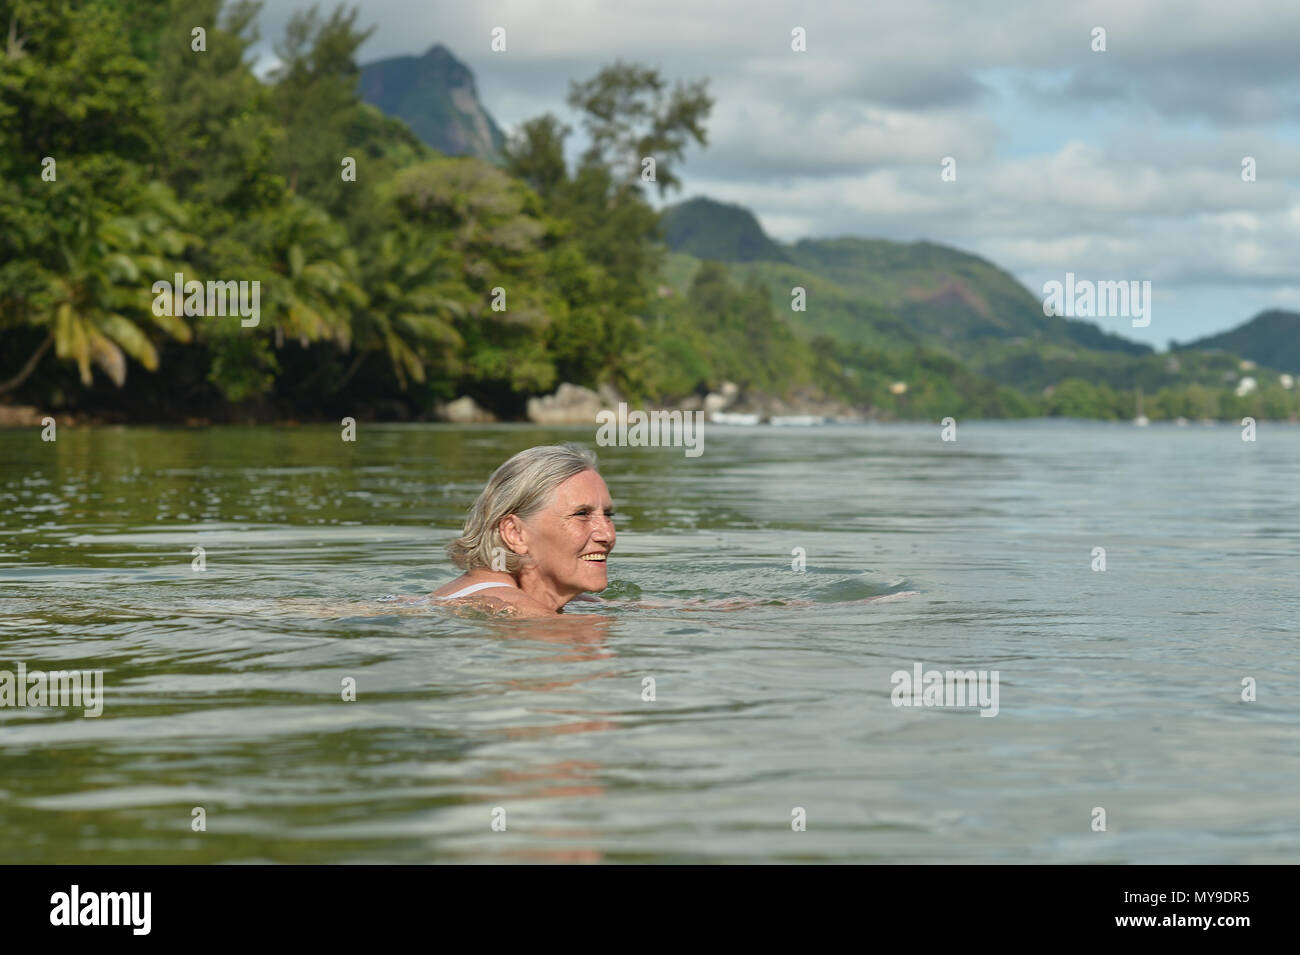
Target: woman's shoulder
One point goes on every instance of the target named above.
(475, 582)
(515, 600)
(488, 591)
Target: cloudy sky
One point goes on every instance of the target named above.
(1116, 165)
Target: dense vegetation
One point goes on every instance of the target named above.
(422, 278)
(393, 277)
(1271, 338)
(715, 230)
(879, 310)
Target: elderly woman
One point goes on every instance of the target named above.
(538, 536)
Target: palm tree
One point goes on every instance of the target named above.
(97, 305)
(414, 301)
(313, 289)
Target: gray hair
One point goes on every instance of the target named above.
(522, 486)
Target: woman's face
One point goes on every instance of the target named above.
(569, 540)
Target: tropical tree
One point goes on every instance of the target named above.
(92, 291)
(628, 118)
(413, 307)
(221, 137)
(315, 100)
(492, 239)
(77, 229)
(308, 289)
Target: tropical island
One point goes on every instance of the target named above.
(391, 255)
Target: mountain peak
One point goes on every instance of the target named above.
(441, 56)
(708, 229)
(436, 96)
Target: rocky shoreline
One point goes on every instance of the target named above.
(569, 404)
(20, 416)
(573, 404)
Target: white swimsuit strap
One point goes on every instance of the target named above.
(473, 588)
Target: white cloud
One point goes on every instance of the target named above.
(1109, 164)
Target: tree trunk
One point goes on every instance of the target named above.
(27, 369)
(347, 375)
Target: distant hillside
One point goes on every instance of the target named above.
(713, 230)
(880, 293)
(1271, 339)
(435, 95)
(945, 296)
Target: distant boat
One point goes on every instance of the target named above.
(1141, 420)
(797, 420)
(733, 417)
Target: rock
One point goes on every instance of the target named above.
(21, 416)
(715, 402)
(721, 399)
(464, 410)
(800, 403)
(610, 395)
(571, 404)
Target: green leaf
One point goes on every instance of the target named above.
(132, 339)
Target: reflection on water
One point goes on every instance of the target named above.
(224, 687)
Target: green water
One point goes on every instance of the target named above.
(1118, 689)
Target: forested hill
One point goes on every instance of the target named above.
(875, 291)
(1271, 338)
(377, 277)
(714, 230)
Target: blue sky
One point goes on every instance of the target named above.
(1115, 165)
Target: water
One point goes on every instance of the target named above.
(1118, 689)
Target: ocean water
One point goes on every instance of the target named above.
(773, 734)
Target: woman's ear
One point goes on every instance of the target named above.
(512, 534)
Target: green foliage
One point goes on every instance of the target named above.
(220, 139)
(315, 101)
(914, 383)
(714, 230)
(628, 118)
(1271, 338)
(80, 225)
(536, 155)
(746, 342)
(424, 277)
(242, 367)
(877, 292)
(1076, 398)
(70, 87)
